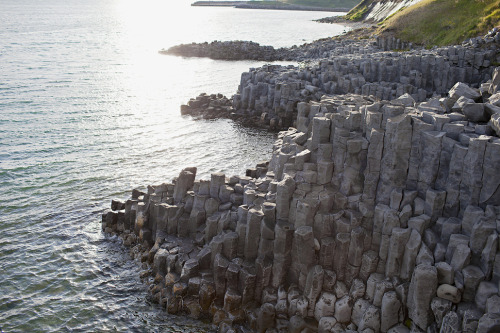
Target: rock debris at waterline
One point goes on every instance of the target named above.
(370, 216)
(217, 106)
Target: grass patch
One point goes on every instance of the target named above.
(358, 12)
(357, 15)
(444, 22)
(491, 20)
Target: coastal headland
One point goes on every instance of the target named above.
(379, 210)
(276, 5)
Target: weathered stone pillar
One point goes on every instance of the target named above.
(184, 183)
(313, 286)
(410, 255)
(217, 180)
(395, 160)
(422, 290)
(252, 237)
(302, 255)
(284, 193)
(284, 233)
(399, 239)
(356, 246)
(341, 253)
(452, 205)
(490, 193)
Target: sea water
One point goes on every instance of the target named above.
(89, 110)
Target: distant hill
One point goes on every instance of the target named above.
(324, 3)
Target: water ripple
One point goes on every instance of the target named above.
(90, 110)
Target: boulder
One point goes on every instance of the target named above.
(476, 112)
(449, 292)
(462, 89)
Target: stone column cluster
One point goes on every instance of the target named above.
(272, 92)
(371, 216)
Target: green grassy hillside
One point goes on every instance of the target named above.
(443, 22)
(357, 13)
(324, 3)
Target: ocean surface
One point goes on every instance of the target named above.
(88, 111)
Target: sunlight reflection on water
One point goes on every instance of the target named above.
(90, 110)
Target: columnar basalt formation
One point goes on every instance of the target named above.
(371, 216)
(360, 67)
(270, 95)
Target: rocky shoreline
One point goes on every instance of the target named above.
(217, 106)
(246, 50)
(231, 50)
(379, 210)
